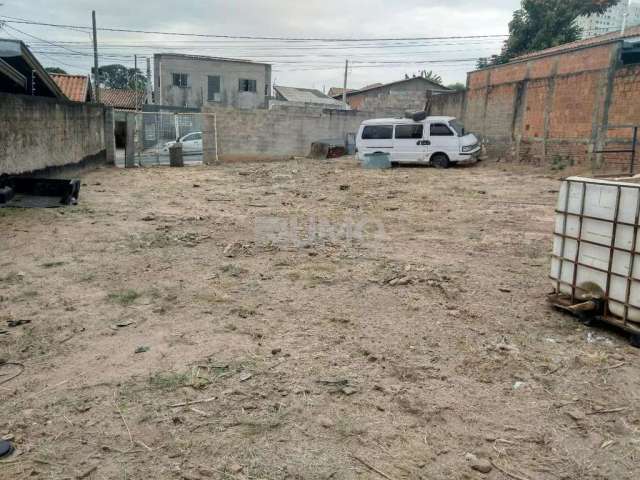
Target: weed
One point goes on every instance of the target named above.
(560, 163)
(169, 381)
(12, 278)
(124, 297)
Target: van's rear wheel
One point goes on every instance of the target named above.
(440, 160)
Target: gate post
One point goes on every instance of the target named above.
(130, 145)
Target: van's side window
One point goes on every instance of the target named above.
(440, 130)
(377, 132)
(409, 131)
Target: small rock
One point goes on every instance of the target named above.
(481, 465)
(325, 422)
(348, 391)
(244, 376)
(235, 468)
(577, 414)
(230, 250)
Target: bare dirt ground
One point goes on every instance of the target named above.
(169, 338)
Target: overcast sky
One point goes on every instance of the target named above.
(303, 64)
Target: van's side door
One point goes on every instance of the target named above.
(408, 143)
(443, 138)
(376, 138)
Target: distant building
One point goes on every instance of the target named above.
(196, 81)
(76, 88)
(407, 94)
(20, 72)
(122, 99)
(304, 96)
(335, 91)
(609, 21)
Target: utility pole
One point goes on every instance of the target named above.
(149, 91)
(625, 17)
(96, 75)
(135, 77)
(344, 90)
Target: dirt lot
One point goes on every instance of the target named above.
(173, 336)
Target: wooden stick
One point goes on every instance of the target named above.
(87, 473)
(194, 402)
(508, 474)
(123, 419)
(372, 468)
(613, 410)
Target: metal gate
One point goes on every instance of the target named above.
(155, 132)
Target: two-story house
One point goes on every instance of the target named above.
(195, 81)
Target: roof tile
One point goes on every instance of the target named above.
(75, 87)
(122, 98)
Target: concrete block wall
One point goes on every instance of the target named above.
(38, 133)
(551, 107)
(274, 134)
(448, 104)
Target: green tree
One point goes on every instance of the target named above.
(55, 70)
(430, 75)
(541, 24)
(121, 77)
(457, 86)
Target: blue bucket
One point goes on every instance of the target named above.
(377, 160)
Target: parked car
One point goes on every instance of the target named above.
(437, 141)
(191, 144)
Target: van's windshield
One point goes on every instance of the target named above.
(458, 127)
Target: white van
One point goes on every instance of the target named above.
(437, 141)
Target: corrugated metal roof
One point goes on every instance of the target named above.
(122, 99)
(335, 91)
(305, 95)
(436, 87)
(75, 87)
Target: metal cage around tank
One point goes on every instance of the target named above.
(569, 301)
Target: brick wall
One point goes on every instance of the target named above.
(448, 104)
(550, 108)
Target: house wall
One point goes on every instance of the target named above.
(392, 100)
(448, 104)
(549, 108)
(38, 133)
(195, 95)
(273, 134)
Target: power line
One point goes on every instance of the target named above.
(249, 37)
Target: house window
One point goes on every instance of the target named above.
(440, 130)
(409, 131)
(213, 88)
(245, 85)
(377, 132)
(630, 53)
(181, 80)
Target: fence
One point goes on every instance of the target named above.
(155, 132)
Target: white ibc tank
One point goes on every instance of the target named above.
(596, 229)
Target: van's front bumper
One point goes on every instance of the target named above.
(469, 157)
